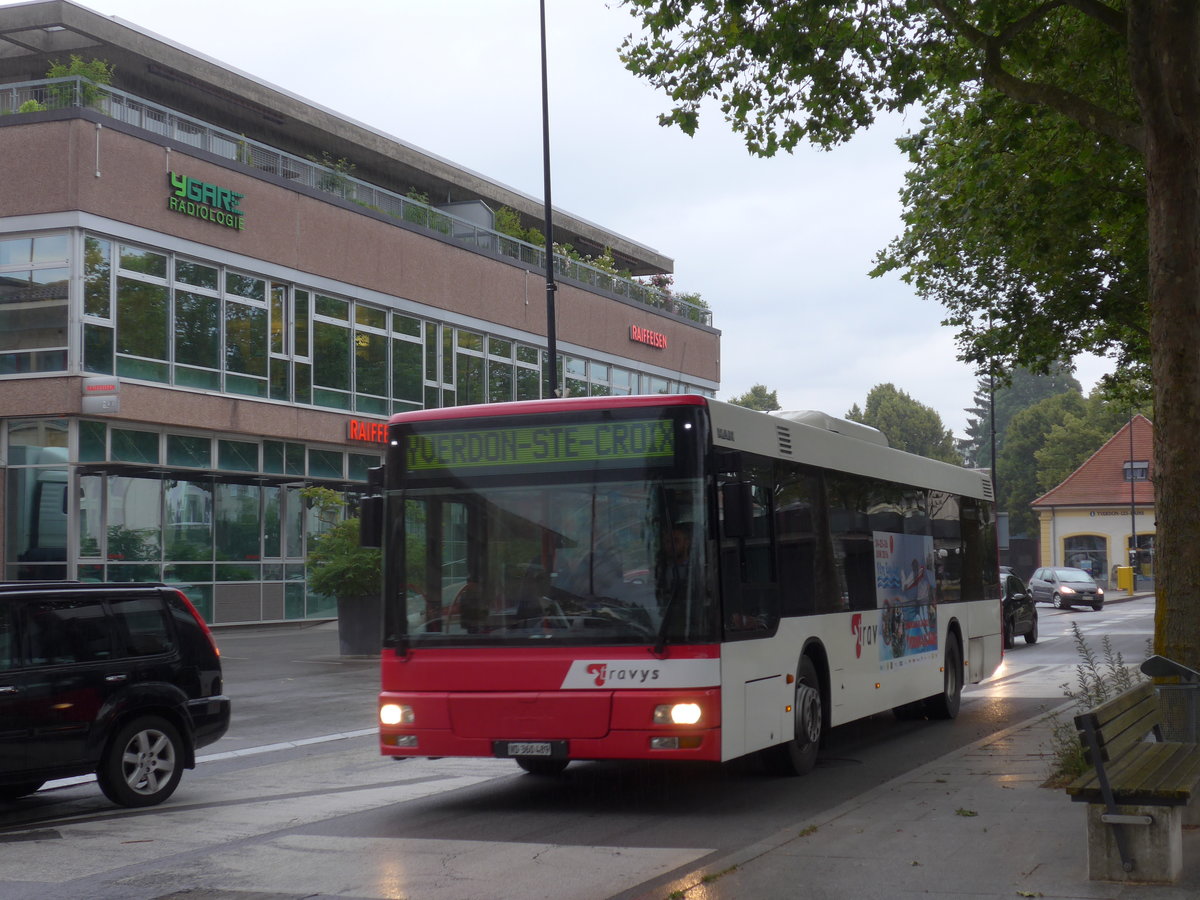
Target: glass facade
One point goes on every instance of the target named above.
(162, 317)
(237, 521)
(220, 515)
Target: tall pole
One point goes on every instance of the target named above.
(551, 389)
(992, 416)
(1133, 551)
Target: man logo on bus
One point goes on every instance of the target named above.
(863, 634)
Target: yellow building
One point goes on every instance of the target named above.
(1105, 508)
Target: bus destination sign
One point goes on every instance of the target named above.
(643, 442)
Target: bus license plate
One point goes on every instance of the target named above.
(529, 748)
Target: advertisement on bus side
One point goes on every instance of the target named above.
(906, 592)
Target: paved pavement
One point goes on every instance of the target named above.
(976, 823)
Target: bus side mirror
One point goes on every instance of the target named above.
(737, 505)
(370, 521)
(375, 476)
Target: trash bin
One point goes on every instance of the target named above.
(1180, 702)
(1124, 578)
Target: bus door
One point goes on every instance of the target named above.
(755, 677)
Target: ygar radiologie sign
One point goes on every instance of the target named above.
(202, 200)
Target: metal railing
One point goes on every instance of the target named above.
(63, 93)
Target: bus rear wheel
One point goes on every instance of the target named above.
(799, 755)
(945, 705)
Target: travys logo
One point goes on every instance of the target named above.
(863, 634)
(616, 674)
(604, 673)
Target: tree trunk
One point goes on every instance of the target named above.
(1164, 54)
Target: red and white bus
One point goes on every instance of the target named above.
(670, 577)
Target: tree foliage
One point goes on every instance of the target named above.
(907, 424)
(1070, 442)
(1023, 85)
(758, 397)
(1030, 231)
(1022, 389)
(1017, 480)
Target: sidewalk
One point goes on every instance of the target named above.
(973, 824)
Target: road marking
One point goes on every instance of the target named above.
(234, 754)
(286, 745)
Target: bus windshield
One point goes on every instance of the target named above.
(600, 540)
(572, 563)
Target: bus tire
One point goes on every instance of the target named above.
(945, 705)
(799, 755)
(538, 765)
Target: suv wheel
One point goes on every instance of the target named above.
(142, 764)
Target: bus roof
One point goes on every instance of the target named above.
(806, 437)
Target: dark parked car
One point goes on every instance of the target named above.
(1020, 614)
(1066, 587)
(123, 680)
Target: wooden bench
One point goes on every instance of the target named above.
(1137, 789)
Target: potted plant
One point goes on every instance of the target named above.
(340, 568)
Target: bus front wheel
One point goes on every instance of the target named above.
(799, 755)
(945, 705)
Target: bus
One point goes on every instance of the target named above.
(669, 577)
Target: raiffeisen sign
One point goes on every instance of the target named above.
(202, 200)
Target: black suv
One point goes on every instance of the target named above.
(123, 680)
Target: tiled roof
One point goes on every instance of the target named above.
(1100, 481)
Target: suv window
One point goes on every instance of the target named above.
(142, 628)
(59, 632)
(8, 638)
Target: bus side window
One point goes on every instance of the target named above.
(853, 545)
(748, 580)
(797, 520)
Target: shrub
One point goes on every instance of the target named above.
(1097, 680)
(93, 71)
(337, 565)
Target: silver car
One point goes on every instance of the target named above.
(1066, 587)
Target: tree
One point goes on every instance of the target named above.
(1029, 231)
(907, 424)
(1070, 443)
(758, 397)
(1022, 389)
(1016, 465)
(1123, 73)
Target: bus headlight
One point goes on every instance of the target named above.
(395, 714)
(677, 714)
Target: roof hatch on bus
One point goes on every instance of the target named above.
(827, 422)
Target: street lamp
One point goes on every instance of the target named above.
(1133, 548)
(551, 287)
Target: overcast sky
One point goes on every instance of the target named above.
(779, 248)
